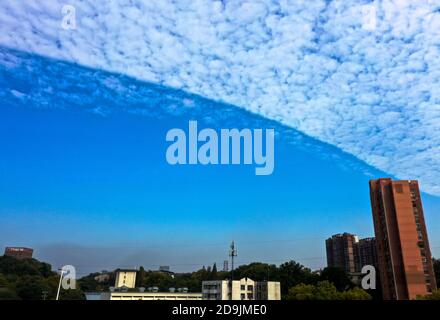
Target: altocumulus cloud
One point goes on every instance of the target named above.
(311, 65)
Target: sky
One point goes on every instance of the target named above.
(84, 114)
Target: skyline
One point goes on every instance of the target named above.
(82, 158)
(84, 114)
(289, 245)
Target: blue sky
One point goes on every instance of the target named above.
(94, 189)
(84, 113)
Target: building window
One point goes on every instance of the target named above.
(210, 287)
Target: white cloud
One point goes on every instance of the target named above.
(308, 64)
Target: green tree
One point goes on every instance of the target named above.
(301, 292)
(434, 296)
(30, 279)
(72, 294)
(8, 294)
(158, 279)
(140, 277)
(214, 274)
(16, 267)
(256, 271)
(325, 290)
(88, 283)
(338, 277)
(31, 287)
(356, 294)
(201, 275)
(291, 274)
(3, 281)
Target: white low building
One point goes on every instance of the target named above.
(243, 289)
(140, 294)
(150, 296)
(125, 278)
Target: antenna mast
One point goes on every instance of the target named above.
(232, 254)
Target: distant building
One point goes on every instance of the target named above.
(166, 269)
(404, 255)
(125, 278)
(244, 289)
(125, 289)
(268, 290)
(225, 265)
(139, 295)
(19, 252)
(348, 252)
(365, 253)
(151, 296)
(102, 277)
(340, 251)
(93, 295)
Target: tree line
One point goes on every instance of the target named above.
(31, 279)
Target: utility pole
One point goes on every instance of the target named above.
(232, 254)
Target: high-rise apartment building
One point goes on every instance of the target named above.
(404, 255)
(365, 253)
(340, 251)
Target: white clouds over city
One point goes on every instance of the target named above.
(369, 85)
